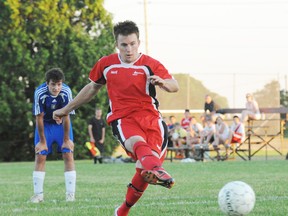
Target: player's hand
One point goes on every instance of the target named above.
(58, 114)
(101, 141)
(40, 146)
(68, 144)
(92, 140)
(156, 80)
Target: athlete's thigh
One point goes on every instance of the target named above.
(157, 135)
(125, 128)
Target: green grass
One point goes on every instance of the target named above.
(100, 188)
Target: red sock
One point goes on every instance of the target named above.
(134, 192)
(144, 154)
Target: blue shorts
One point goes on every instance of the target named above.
(54, 133)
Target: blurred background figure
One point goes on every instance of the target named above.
(252, 109)
(185, 122)
(96, 130)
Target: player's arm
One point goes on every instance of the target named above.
(41, 145)
(169, 85)
(103, 135)
(84, 96)
(67, 142)
(90, 133)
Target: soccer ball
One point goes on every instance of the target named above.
(236, 198)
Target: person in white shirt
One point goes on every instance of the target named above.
(221, 135)
(252, 109)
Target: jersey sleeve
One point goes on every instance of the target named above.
(162, 72)
(66, 89)
(37, 105)
(96, 74)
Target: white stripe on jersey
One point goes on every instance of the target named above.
(111, 112)
(37, 95)
(123, 138)
(68, 91)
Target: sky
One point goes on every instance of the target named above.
(231, 46)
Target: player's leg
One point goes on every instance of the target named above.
(69, 165)
(100, 147)
(38, 174)
(70, 176)
(134, 192)
(150, 151)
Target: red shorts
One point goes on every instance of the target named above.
(150, 127)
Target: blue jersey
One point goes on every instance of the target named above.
(47, 103)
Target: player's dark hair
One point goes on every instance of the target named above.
(54, 74)
(125, 28)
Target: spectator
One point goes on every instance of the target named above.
(237, 133)
(221, 136)
(206, 138)
(171, 123)
(194, 134)
(96, 130)
(207, 134)
(185, 122)
(252, 109)
(179, 139)
(195, 131)
(210, 108)
(171, 128)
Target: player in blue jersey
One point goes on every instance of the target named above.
(48, 97)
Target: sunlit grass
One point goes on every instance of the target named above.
(100, 188)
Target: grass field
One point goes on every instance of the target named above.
(100, 188)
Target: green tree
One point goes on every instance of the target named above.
(38, 35)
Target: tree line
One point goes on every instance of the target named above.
(36, 36)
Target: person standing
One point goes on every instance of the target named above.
(96, 130)
(48, 97)
(131, 79)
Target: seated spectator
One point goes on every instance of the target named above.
(252, 109)
(193, 136)
(207, 134)
(179, 139)
(185, 122)
(195, 130)
(237, 132)
(221, 136)
(171, 128)
(206, 138)
(210, 108)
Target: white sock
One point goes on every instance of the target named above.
(70, 181)
(38, 181)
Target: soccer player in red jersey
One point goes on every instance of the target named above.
(131, 78)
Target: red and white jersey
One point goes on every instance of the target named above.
(185, 123)
(128, 87)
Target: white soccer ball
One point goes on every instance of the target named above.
(236, 198)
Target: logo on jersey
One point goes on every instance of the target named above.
(114, 72)
(63, 96)
(135, 73)
(43, 98)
